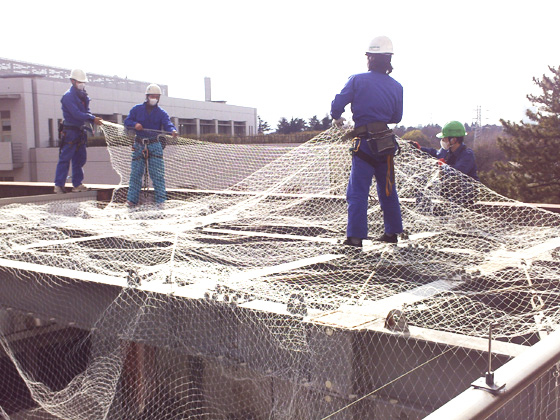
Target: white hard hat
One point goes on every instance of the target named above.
(79, 75)
(380, 45)
(153, 89)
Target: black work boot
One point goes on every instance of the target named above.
(392, 239)
(353, 241)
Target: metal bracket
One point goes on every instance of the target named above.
(492, 387)
(396, 321)
(487, 383)
(296, 305)
(132, 280)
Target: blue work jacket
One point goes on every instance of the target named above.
(461, 159)
(156, 119)
(75, 107)
(375, 97)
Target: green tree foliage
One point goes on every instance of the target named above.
(326, 122)
(429, 131)
(264, 127)
(295, 125)
(315, 124)
(486, 149)
(531, 172)
(283, 126)
(487, 154)
(417, 136)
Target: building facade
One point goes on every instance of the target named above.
(30, 111)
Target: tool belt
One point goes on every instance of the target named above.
(63, 126)
(373, 127)
(383, 145)
(74, 127)
(145, 140)
(379, 137)
(81, 130)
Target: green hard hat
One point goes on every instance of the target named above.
(452, 129)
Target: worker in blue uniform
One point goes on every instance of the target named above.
(454, 154)
(376, 100)
(453, 150)
(73, 133)
(149, 120)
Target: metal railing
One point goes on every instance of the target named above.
(13, 68)
(514, 377)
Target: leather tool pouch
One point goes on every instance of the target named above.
(383, 143)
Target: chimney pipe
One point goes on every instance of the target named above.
(207, 90)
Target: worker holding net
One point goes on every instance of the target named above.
(377, 100)
(148, 120)
(73, 133)
(454, 159)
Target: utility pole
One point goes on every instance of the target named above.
(478, 124)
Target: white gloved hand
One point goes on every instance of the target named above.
(338, 122)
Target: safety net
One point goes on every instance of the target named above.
(234, 298)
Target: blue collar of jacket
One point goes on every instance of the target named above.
(459, 150)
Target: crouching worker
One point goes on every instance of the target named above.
(73, 133)
(148, 119)
(455, 154)
(377, 100)
(453, 150)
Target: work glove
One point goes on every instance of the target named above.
(414, 144)
(339, 122)
(441, 162)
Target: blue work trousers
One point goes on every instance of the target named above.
(73, 149)
(156, 169)
(357, 195)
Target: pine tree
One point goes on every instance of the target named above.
(263, 126)
(531, 172)
(314, 124)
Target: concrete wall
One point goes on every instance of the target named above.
(6, 157)
(97, 170)
(21, 118)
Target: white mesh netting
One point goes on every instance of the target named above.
(235, 299)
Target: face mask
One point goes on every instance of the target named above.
(152, 101)
(81, 86)
(444, 144)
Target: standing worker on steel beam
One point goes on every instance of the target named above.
(377, 100)
(148, 119)
(73, 133)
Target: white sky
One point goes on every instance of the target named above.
(289, 58)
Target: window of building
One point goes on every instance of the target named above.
(224, 127)
(207, 127)
(240, 128)
(5, 126)
(187, 127)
